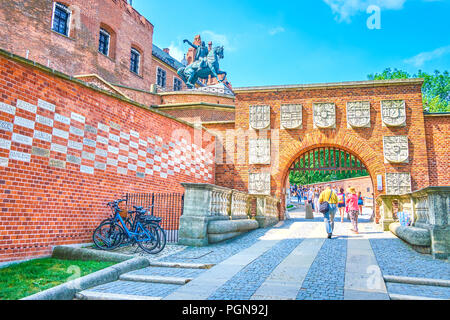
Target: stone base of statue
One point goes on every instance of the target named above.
(218, 88)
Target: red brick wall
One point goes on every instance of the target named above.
(48, 200)
(366, 143)
(143, 97)
(26, 25)
(437, 130)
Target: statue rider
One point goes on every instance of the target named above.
(201, 52)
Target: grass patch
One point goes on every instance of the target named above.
(27, 278)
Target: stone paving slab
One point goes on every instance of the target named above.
(286, 280)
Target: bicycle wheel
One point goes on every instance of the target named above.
(107, 236)
(150, 243)
(161, 236)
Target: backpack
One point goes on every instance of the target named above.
(325, 206)
(340, 198)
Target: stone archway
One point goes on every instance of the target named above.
(372, 161)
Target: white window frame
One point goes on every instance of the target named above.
(109, 41)
(69, 18)
(139, 63)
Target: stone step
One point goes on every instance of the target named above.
(93, 295)
(181, 265)
(154, 279)
(418, 281)
(407, 297)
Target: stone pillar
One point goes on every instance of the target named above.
(309, 211)
(385, 203)
(202, 204)
(266, 211)
(433, 211)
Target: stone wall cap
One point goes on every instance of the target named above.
(206, 186)
(332, 85)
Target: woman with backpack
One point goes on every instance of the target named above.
(352, 208)
(341, 203)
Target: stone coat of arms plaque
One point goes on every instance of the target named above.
(259, 183)
(358, 114)
(395, 149)
(259, 151)
(291, 116)
(324, 115)
(393, 113)
(259, 117)
(398, 183)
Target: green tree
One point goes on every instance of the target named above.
(435, 90)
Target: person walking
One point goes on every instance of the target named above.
(360, 203)
(299, 196)
(316, 200)
(341, 203)
(329, 196)
(353, 209)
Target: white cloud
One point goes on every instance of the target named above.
(423, 57)
(276, 30)
(217, 39)
(176, 51)
(345, 9)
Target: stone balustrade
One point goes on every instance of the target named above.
(240, 205)
(430, 211)
(212, 214)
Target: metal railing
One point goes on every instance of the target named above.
(168, 206)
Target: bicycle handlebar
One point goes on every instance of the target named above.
(115, 202)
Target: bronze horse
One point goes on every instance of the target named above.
(194, 71)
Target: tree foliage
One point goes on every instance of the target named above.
(322, 159)
(435, 90)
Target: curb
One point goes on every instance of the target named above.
(418, 281)
(68, 290)
(83, 254)
(405, 297)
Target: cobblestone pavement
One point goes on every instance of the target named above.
(247, 266)
(244, 284)
(169, 272)
(136, 288)
(325, 279)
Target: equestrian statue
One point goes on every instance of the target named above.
(205, 64)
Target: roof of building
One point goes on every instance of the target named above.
(166, 58)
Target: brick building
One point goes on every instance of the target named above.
(103, 42)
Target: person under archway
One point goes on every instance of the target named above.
(329, 196)
(341, 203)
(360, 203)
(352, 208)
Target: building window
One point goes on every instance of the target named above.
(176, 84)
(104, 40)
(135, 61)
(161, 78)
(61, 19)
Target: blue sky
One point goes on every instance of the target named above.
(308, 41)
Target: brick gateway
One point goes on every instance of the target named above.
(66, 148)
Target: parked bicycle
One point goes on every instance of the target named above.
(135, 228)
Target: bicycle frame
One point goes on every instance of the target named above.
(136, 226)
